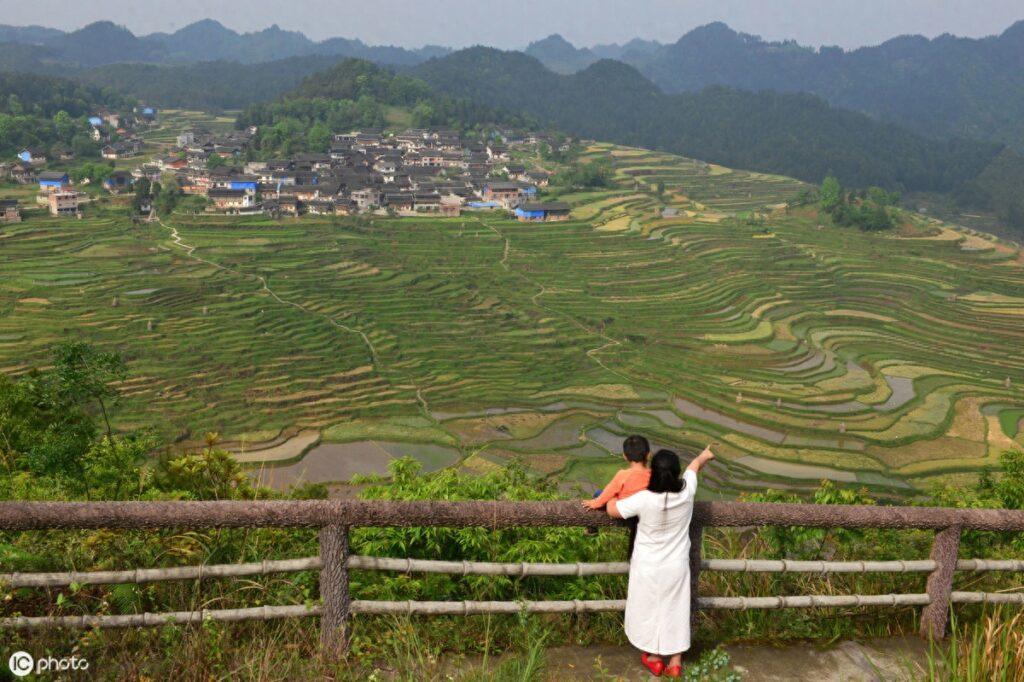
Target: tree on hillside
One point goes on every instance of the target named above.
(142, 192)
(84, 147)
(65, 125)
(831, 194)
(882, 197)
(594, 174)
(319, 137)
(47, 422)
(864, 209)
(93, 172)
(84, 374)
(165, 197)
(215, 161)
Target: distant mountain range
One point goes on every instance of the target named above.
(945, 87)
(104, 42)
(787, 133)
(559, 55)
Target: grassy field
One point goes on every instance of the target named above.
(885, 360)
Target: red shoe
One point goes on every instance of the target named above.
(654, 666)
(674, 671)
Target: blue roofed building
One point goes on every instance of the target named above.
(32, 155)
(118, 181)
(53, 181)
(250, 183)
(542, 211)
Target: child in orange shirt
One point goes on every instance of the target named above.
(628, 481)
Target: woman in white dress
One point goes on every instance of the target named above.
(658, 601)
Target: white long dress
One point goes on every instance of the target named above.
(658, 601)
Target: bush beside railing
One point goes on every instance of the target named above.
(335, 518)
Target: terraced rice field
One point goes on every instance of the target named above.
(173, 122)
(888, 361)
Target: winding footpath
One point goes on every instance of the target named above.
(375, 360)
(592, 353)
(190, 252)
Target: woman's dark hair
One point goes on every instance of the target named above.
(666, 473)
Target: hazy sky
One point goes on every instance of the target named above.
(514, 23)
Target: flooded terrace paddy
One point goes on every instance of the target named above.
(339, 462)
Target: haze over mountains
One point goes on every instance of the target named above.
(104, 42)
(942, 87)
(791, 134)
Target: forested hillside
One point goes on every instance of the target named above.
(202, 85)
(355, 94)
(41, 111)
(45, 96)
(791, 134)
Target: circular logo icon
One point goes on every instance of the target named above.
(21, 663)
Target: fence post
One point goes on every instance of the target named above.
(334, 590)
(696, 538)
(945, 549)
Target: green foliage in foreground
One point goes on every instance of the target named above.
(551, 545)
(385, 646)
(990, 649)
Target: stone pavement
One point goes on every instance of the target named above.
(878, 659)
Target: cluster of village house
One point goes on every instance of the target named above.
(116, 130)
(55, 190)
(407, 173)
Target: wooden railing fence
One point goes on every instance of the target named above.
(335, 518)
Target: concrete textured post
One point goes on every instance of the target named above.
(696, 538)
(945, 549)
(334, 554)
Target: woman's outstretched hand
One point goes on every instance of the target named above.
(700, 460)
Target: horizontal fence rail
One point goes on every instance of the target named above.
(334, 518)
(381, 514)
(151, 575)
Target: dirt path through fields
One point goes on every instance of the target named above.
(375, 360)
(190, 252)
(592, 353)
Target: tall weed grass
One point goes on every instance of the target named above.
(988, 650)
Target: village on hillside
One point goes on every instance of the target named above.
(116, 132)
(414, 172)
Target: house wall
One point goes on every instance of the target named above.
(63, 203)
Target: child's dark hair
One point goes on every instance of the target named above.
(636, 448)
(666, 473)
